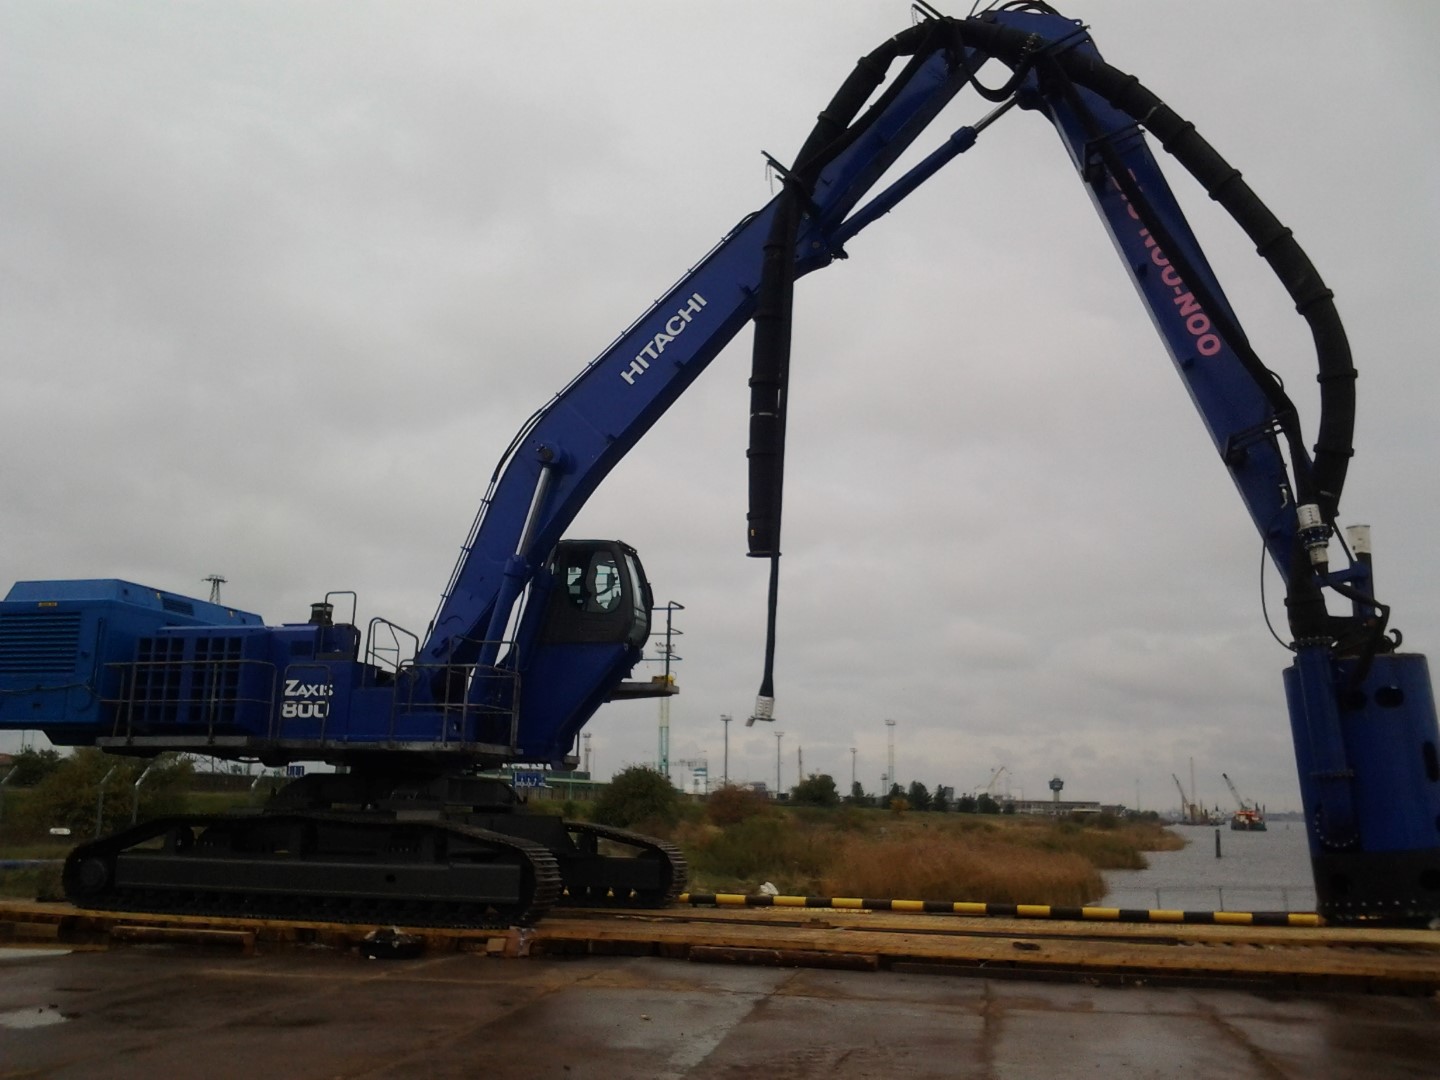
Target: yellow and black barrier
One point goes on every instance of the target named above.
(1009, 911)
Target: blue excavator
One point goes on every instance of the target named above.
(535, 632)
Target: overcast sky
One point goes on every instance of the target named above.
(281, 280)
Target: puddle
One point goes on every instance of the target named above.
(7, 953)
(38, 1017)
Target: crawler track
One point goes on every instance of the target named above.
(324, 866)
(654, 877)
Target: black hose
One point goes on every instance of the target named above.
(1274, 242)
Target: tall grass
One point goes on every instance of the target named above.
(1119, 847)
(948, 865)
(955, 857)
(770, 848)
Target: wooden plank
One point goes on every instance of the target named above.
(1349, 936)
(1024, 950)
(244, 940)
(1386, 958)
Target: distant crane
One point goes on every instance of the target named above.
(988, 790)
(1249, 817)
(1188, 809)
(995, 775)
(1238, 800)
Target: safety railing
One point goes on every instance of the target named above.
(196, 696)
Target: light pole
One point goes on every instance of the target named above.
(725, 719)
(778, 736)
(852, 770)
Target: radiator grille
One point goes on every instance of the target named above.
(39, 642)
(185, 681)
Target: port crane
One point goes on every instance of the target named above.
(1248, 816)
(1188, 809)
(534, 632)
(989, 787)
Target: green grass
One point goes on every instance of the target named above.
(40, 883)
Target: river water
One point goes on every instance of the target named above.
(1256, 871)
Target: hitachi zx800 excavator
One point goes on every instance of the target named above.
(534, 632)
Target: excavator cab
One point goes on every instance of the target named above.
(598, 594)
(584, 629)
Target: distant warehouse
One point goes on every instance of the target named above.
(1050, 806)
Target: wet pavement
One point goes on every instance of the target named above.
(148, 1012)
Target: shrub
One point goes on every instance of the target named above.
(816, 791)
(731, 805)
(32, 766)
(762, 848)
(69, 797)
(637, 795)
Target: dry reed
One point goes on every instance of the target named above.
(954, 866)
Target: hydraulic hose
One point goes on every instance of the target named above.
(834, 130)
(1224, 184)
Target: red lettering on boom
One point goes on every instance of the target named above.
(1197, 322)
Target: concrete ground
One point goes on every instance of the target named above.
(162, 1012)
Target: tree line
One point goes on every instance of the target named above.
(91, 792)
(819, 789)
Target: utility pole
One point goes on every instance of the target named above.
(586, 737)
(668, 654)
(215, 581)
(725, 719)
(890, 733)
(852, 769)
(778, 736)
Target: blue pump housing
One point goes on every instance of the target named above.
(59, 641)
